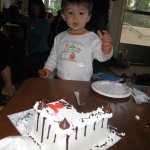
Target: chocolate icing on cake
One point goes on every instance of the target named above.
(43, 129)
(92, 105)
(76, 129)
(49, 128)
(64, 124)
(107, 109)
(37, 124)
(102, 122)
(42, 104)
(85, 130)
(54, 138)
(67, 141)
(94, 125)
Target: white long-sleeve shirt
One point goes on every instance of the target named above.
(72, 55)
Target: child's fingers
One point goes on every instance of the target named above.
(106, 36)
(105, 32)
(100, 34)
(42, 73)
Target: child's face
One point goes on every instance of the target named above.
(76, 17)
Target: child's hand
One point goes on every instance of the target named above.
(106, 42)
(44, 73)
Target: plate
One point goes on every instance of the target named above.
(23, 121)
(111, 89)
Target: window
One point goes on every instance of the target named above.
(52, 5)
(135, 35)
(137, 13)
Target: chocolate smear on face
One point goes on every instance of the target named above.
(42, 104)
(64, 124)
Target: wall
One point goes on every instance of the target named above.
(135, 35)
(115, 23)
(137, 54)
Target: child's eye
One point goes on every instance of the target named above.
(81, 13)
(70, 13)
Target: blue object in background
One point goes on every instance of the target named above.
(105, 76)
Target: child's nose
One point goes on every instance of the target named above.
(75, 17)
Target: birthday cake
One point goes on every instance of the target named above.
(60, 126)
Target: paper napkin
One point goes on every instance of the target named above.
(139, 96)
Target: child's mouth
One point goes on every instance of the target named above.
(75, 24)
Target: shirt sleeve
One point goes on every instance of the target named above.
(52, 59)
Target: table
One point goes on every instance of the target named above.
(137, 134)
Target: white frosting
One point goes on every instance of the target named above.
(92, 128)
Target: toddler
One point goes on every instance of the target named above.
(75, 49)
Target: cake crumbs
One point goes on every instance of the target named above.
(137, 117)
(148, 125)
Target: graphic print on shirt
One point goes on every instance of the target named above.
(70, 50)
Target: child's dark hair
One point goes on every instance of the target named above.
(87, 3)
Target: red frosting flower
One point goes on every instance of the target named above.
(56, 106)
